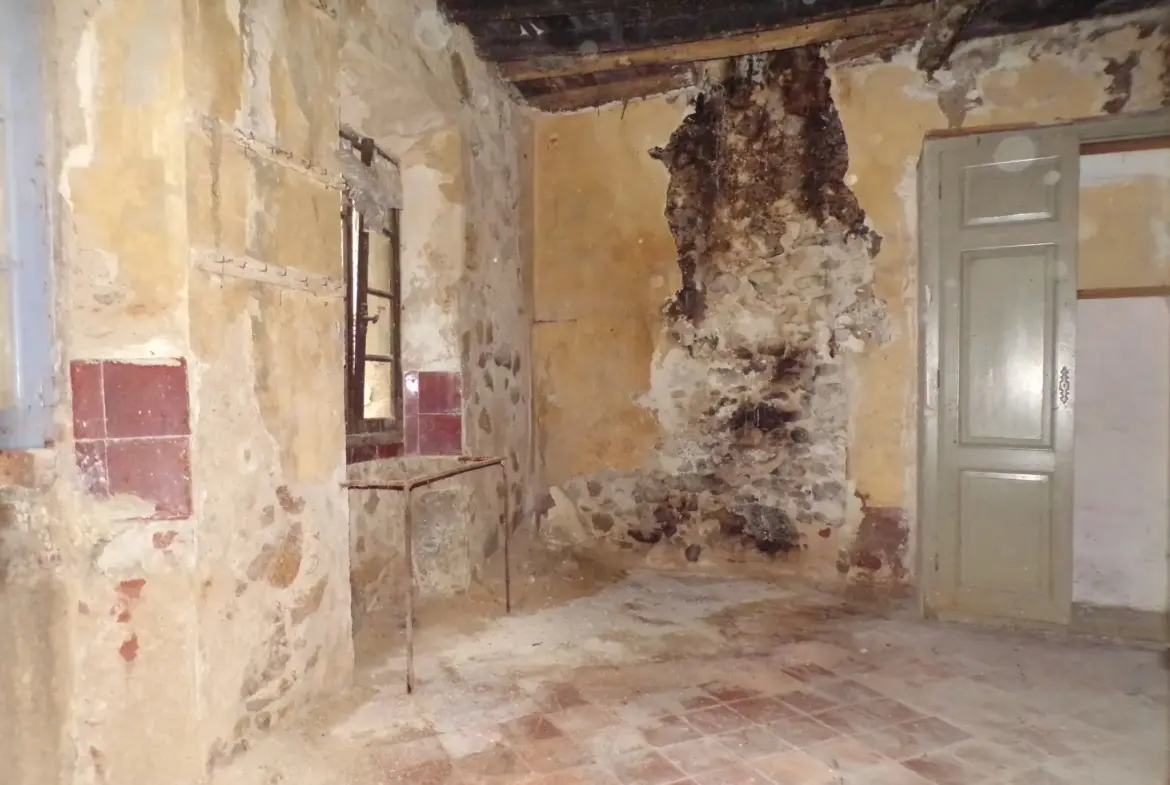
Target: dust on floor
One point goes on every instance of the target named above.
(664, 678)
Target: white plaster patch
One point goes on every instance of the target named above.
(86, 67)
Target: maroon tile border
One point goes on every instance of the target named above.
(432, 408)
(131, 423)
(433, 405)
(439, 392)
(372, 452)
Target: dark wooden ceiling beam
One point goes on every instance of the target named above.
(819, 32)
(548, 98)
(943, 31)
(658, 24)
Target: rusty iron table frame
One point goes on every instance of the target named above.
(467, 464)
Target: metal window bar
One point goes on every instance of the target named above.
(26, 261)
(468, 464)
(357, 255)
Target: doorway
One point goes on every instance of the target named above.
(999, 231)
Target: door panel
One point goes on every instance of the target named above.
(1006, 346)
(1005, 544)
(1007, 294)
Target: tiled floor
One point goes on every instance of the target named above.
(666, 679)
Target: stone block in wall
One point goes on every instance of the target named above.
(433, 411)
(132, 431)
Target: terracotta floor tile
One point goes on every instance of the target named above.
(700, 755)
(668, 729)
(499, 761)
(532, 727)
(590, 775)
(802, 731)
(935, 733)
(551, 755)
(795, 767)
(729, 693)
(717, 720)
(582, 719)
(890, 774)
(807, 701)
(944, 769)
(613, 742)
(846, 691)
(645, 768)
(891, 711)
(1043, 776)
(558, 697)
(763, 709)
(846, 755)
(849, 720)
(962, 706)
(755, 741)
(732, 775)
(991, 758)
(685, 700)
(433, 773)
(410, 754)
(807, 672)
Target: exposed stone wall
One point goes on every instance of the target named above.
(456, 524)
(182, 575)
(782, 381)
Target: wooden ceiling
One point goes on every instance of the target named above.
(571, 54)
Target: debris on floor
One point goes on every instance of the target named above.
(674, 679)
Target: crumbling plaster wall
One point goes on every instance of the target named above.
(196, 196)
(802, 312)
(458, 137)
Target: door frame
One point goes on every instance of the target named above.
(1135, 126)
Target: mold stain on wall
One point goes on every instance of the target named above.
(749, 384)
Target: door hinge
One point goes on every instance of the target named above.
(936, 562)
(938, 380)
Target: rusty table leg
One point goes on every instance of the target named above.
(410, 594)
(507, 543)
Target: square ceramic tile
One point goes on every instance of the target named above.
(667, 729)
(944, 769)
(699, 755)
(89, 408)
(717, 720)
(795, 767)
(645, 768)
(145, 400)
(157, 471)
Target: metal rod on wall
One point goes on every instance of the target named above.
(468, 464)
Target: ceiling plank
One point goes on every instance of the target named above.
(819, 32)
(596, 95)
(660, 24)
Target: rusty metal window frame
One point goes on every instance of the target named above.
(356, 247)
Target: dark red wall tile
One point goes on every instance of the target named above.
(156, 470)
(410, 434)
(410, 384)
(372, 452)
(91, 462)
(440, 434)
(146, 400)
(439, 392)
(89, 415)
